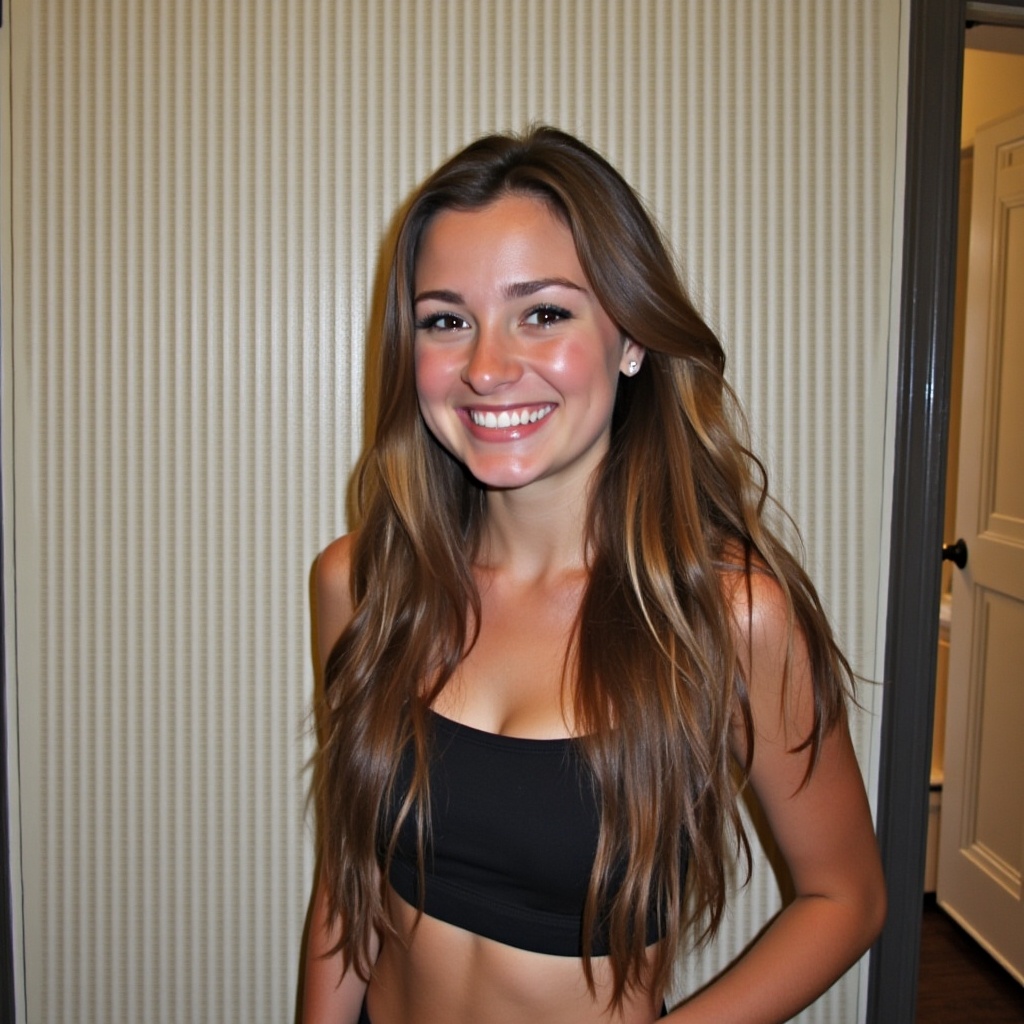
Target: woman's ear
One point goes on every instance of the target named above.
(632, 357)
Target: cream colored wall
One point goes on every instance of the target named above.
(993, 87)
(198, 196)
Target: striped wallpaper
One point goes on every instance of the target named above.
(199, 191)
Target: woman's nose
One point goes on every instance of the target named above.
(493, 361)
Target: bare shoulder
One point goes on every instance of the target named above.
(333, 569)
(773, 657)
(759, 612)
(332, 593)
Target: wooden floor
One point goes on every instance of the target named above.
(959, 983)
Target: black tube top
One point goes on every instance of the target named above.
(515, 826)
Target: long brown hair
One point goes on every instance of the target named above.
(677, 515)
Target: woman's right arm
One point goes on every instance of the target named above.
(330, 994)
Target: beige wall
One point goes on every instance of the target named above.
(993, 88)
(198, 195)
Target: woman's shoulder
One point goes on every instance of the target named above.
(755, 599)
(332, 592)
(334, 563)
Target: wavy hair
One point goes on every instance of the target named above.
(677, 516)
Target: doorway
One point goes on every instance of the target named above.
(993, 90)
(936, 37)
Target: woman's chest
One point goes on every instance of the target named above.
(517, 677)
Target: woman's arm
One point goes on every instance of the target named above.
(823, 830)
(330, 993)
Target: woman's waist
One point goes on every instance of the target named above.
(433, 970)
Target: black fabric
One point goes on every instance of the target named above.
(514, 833)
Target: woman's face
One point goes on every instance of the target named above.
(516, 361)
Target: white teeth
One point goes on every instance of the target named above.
(505, 419)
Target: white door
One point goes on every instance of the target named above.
(981, 849)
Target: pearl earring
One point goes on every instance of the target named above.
(633, 367)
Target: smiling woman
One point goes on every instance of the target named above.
(562, 621)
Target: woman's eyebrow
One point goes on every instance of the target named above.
(441, 295)
(521, 289)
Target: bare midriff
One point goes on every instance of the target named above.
(434, 972)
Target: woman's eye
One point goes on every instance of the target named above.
(545, 316)
(441, 322)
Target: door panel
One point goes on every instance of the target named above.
(994, 842)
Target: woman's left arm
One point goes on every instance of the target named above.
(822, 826)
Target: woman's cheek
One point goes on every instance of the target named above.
(434, 374)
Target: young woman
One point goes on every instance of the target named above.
(562, 621)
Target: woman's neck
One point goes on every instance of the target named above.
(534, 535)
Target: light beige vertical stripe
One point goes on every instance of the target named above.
(200, 193)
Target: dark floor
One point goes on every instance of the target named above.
(959, 983)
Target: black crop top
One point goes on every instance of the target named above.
(514, 834)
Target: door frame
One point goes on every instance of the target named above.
(934, 97)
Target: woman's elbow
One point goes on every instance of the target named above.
(872, 904)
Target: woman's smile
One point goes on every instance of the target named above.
(502, 424)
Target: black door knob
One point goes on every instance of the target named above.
(955, 553)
